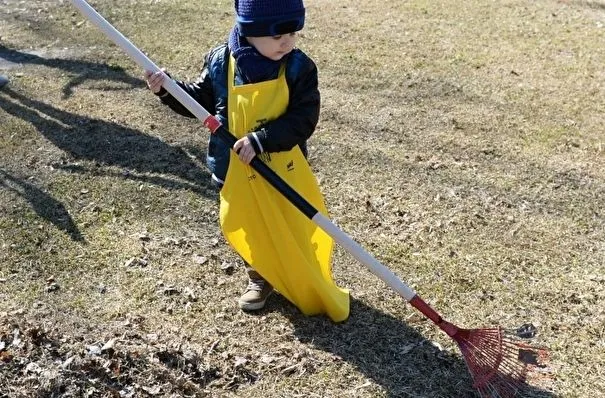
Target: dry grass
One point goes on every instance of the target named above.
(461, 143)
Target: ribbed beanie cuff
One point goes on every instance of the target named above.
(257, 18)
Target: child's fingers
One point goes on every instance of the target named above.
(158, 78)
(246, 154)
(242, 150)
(245, 150)
(154, 80)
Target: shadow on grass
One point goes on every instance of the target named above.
(109, 144)
(597, 5)
(42, 203)
(389, 352)
(83, 70)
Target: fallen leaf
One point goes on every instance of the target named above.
(155, 390)
(240, 361)
(33, 367)
(94, 350)
(109, 345)
(227, 267)
(68, 362)
(6, 356)
(526, 331)
(200, 260)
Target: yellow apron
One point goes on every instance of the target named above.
(267, 231)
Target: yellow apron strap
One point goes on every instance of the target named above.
(270, 234)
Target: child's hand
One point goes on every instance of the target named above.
(243, 147)
(155, 80)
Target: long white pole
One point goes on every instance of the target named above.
(144, 62)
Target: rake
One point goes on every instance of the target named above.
(498, 365)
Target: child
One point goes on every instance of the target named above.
(266, 91)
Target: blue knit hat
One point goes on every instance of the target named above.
(257, 18)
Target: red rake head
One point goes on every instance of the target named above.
(498, 366)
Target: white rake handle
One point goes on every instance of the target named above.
(216, 128)
(144, 62)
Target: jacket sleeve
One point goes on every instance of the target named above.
(298, 123)
(200, 90)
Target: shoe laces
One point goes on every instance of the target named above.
(256, 284)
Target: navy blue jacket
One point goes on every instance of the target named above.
(293, 128)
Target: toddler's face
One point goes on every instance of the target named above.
(274, 47)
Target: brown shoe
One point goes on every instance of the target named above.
(256, 294)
